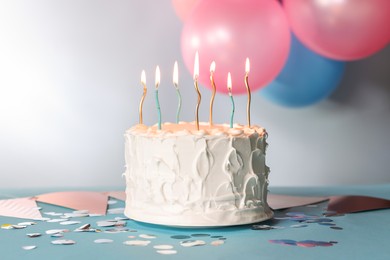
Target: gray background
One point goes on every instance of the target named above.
(69, 88)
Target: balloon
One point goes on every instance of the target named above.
(183, 7)
(341, 29)
(305, 79)
(228, 32)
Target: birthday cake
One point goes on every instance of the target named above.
(181, 176)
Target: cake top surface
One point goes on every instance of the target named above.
(189, 128)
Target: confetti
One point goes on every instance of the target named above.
(336, 228)
(116, 211)
(298, 226)
(137, 242)
(52, 213)
(55, 231)
(18, 226)
(163, 247)
(304, 243)
(146, 236)
(76, 215)
(200, 235)
(27, 223)
(29, 247)
(55, 220)
(34, 234)
(191, 243)
(103, 241)
(217, 242)
(167, 252)
(180, 237)
(70, 222)
(63, 242)
(112, 202)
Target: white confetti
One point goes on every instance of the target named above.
(27, 223)
(56, 231)
(55, 220)
(167, 252)
(163, 247)
(106, 223)
(83, 211)
(146, 236)
(137, 242)
(103, 241)
(70, 222)
(63, 242)
(76, 215)
(191, 243)
(18, 226)
(52, 213)
(112, 202)
(29, 247)
(116, 211)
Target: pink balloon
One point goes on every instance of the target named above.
(341, 29)
(183, 7)
(228, 32)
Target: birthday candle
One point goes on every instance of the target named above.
(141, 103)
(212, 70)
(196, 75)
(229, 87)
(248, 106)
(157, 82)
(176, 85)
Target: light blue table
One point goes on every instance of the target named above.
(364, 235)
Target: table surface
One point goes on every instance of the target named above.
(363, 235)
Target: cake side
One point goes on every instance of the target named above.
(183, 177)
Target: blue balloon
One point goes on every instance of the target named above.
(305, 79)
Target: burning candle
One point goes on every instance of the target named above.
(212, 70)
(141, 103)
(229, 87)
(196, 76)
(157, 82)
(248, 106)
(176, 85)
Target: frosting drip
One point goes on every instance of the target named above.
(183, 177)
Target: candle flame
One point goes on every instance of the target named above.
(143, 78)
(212, 67)
(229, 83)
(196, 65)
(247, 66)
(157, 79)
(175, 75)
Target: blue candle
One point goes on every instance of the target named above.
(157, 101)
(229, 86)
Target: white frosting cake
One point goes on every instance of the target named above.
(179, 176)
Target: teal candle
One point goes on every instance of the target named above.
(157, 101)
(229, 87)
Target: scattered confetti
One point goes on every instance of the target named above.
(29, 247)
(116, 211)
(217, 242)
(54, 220)
(103, 241)
(299, 226)
(55, 231)
(265, 227)
(63, 242)
(34, 234)
(200, 235)
(180, 237)
(191, 243)
(70, 222)
(336, 228)
(112, 202)
(27, 223)
(137, 242)
(167, 252)
(163, 247)
(76, 215)
(52, 213)
(146, 236)
(304, 243)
